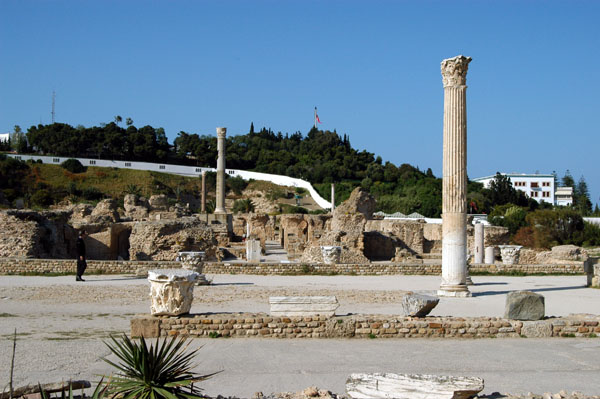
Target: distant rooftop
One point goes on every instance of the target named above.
(515, 175)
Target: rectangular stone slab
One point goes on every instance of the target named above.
(411, 386)
(303, 305)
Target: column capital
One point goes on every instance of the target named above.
(454, 71)
(221, 132)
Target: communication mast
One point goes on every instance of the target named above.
(53, 104)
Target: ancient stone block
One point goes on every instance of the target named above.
(524, 305)
(147, 327)
(303, 305)
(412, 386)
(418, 305)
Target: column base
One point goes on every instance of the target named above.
(454, 291)
(469, 281)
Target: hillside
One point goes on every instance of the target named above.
(44, 185)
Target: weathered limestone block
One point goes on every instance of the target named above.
(405, 233)
(360, 201)
(536, 329)
(159, 202)
(510, 254)
(412, 386)
(418, 305)
(253, 250)
(80, 214)
(147, 327)
(19, 238)
(135, 208)
(568, 252)
(171, 291)
(105, 212)
(303, 305)
(331, 254)
(163, 239)
(32, 234)
(524, 305)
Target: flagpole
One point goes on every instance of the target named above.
(315, 117)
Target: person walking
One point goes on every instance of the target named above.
(81, 263)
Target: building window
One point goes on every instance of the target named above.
(92, 162)
(56, 160)
(198, 170)
(161, 166)
(546, 184)
(127, 164)
(534, 184)
(534, 194)
(546, 194)
(230, 172)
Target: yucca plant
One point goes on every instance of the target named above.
(161, 371)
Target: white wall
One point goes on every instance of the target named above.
(184, 171)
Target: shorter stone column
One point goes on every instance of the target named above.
(171, 291)
(479, 242)
(253, 250)
(490, 255)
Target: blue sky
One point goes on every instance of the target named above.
(371, 67)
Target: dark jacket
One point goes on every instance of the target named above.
(80, 248)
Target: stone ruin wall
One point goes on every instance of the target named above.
(111, 235)
(41, 266)
(257, 325)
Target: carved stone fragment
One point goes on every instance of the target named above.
(171, 291)
(411, 386)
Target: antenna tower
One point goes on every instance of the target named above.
(53, 104)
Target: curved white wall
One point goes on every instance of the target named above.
(184, 171)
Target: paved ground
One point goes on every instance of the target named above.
(61, 325)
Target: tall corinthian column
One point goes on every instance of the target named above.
(454, 186)
(220, 205)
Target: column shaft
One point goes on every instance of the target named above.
(203, 194)
(220, 200)
(454, 184)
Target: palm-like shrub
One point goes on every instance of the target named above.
(160, 371)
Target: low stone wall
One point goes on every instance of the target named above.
(361, 326)
(28, 265)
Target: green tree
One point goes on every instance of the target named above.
(581, 197)
(129, 121)
(118, 119)
(567, 180)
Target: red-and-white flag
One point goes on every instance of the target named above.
(316, 117)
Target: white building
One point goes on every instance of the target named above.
(563, 196)
(4, 137)
(540, 187)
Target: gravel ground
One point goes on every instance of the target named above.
(61, 326)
